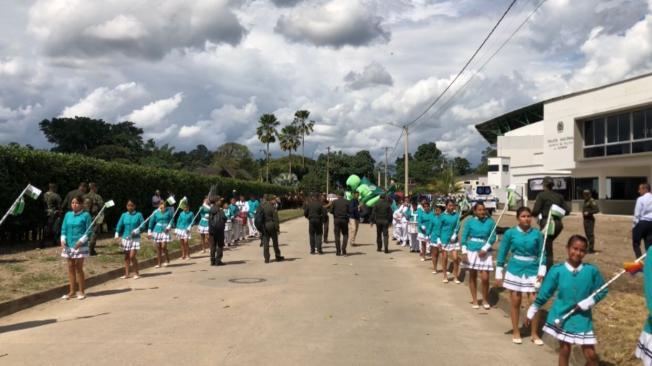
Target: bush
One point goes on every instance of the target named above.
(19, 166)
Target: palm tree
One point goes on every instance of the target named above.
(267, 133)
(304, 129)
(289, 139)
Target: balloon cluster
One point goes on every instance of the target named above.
(369, 193)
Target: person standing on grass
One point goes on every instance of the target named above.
(202, 228)
(156, 199)
(159, 231)
(424, 220)
(183, 226)
(315, 213)
(74, 245)
(589, 209)
(523, 271)
(52, 202)
(449, 245)
(477, 239)
(574, 283)
(217, 222)
(381, 216)
(434, 238)
(642, 219)
(127, 233)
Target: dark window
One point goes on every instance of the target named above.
(625, 188)
(483, 190)
(641, 147)
(638, 125)
(648, 123)
(612, 129)
(505, 168)
(594, 152)
(623, 127)
(492, 168)
(618, 149)
(584, 183)
(588, 133)
(598, 128)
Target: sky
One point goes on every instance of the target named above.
(202, 72)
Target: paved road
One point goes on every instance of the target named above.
(365, 309)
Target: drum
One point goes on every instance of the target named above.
(412, 228)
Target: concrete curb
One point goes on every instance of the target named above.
(22, 303)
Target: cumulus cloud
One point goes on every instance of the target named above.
(373, 74)
(335, 24)
(145, 29)
(103, 102)
(153, 113)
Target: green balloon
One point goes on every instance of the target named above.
(363, 189)
(348, 195)
(372, 202)
(353, 182)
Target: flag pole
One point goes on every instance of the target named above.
(97, 216)
(558, 322)
(13, 205)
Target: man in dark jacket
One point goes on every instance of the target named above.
(542, 206)
(271, 229)
(381, 215)
(216, 224)
(340, 210)
(315, 213)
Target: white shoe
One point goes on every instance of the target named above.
(457, 281)
(166, 264)
(136, 277)
(486, 306)
(81, 296)
(157, 266)
(124, 277)
(423, 259)
(65, 297)
(434, 272)
(445, 280)
(476, 307)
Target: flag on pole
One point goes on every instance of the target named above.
(32, 191)
(18, 207)
(109, 204)
(556, 212)
(171, 201)
(511, 196)
(183, 203)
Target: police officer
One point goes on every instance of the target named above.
(542, 205)
(52, 202)
(96, 203)
(589, 209)
(315, 213)
(340, 210)
(381, 215)
(272, 227)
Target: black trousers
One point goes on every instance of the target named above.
(315, 229)
(326, 229)
(642, 230)
(382, 236)
(550, 258)
(341, 229)
(589, 229)
(273, 235)
(217, 246)
(51, 232)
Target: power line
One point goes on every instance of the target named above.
(465, 65)
(507, 40)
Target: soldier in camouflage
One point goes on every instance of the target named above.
(94, 203)
(589, 209)
(52, 204)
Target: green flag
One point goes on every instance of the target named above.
(550, 229)
(18, 207)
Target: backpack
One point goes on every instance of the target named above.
(216, 221)
(259, 219)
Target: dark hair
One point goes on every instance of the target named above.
(52, 186)
(479, 203)
(577, 238)
(523, 209)
(449, 201)
(131, 200)
(78, 198)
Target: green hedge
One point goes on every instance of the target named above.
(19, 166)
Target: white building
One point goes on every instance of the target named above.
(598, 139)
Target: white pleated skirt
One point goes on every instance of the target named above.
(644, 348)
(130, 244)
(480, 264)
(584, 338)
(162, 237)
(202, 229)
(519, 283)
(182, 234)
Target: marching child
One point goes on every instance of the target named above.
(644, 346)
(434, 239)
(159, 230)
(574, 282)
(184, 224)
(476, 247)
(424, 221)
(74, 245)
(127, 232)
(204, 213)
(525, 243)
(449, 226)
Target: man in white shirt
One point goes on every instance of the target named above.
(642, 219)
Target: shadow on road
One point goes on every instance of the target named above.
(181, 264)
(109, 292)
(155, 274)
(355, 253)
(25, 325)
(235, 262)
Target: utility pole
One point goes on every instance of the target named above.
(328, 161)
(405, 154)
(386, 149)
(378, 181)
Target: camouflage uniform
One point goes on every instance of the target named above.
(589, 209)
(93, 203)
(52, 203)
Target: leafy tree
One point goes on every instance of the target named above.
(267, 133)
(236, 158)
(289, 139)
(488, 152)
(304, 129)
(461, 166)
(428, 152)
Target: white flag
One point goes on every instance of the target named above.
(109, 204)
(32, 191)
(171, 201)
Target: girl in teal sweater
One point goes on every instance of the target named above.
(204, 212)
(127, 232)
(184, 224)
(574, 282)
(477, 239)
(74, 245)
